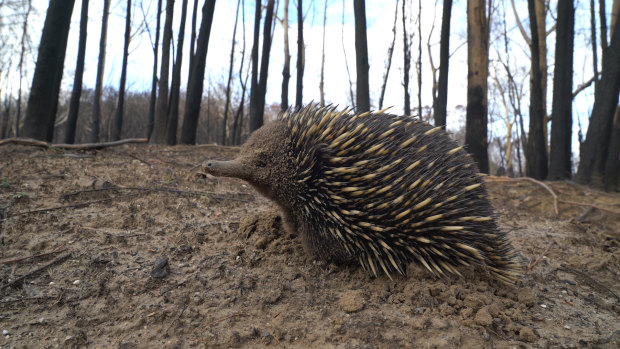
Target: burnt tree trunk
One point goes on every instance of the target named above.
(175, 86)
(321, 84)
(406, 63)
(158, 136)
(390, 53)
(536, 153)
(440, 104)
(196, 78)
(153, 99)
(76, 93)
(230, 74)
(43, 100)
(361, 57)
(256, 119)
(286, 69)
(561, 108)
(595, 149)
(22, 53)
(476, 138)
(254, 93)
(117, 123)
(94, 127)
(301, 56)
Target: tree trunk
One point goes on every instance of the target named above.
(76, 93)
(158, 136)
(230, 74)
(562, 121)
(254, 93)
(346, 61)
(615, 12)
(419, 62)
(612, 166)
(175, 86)
(390, 53)
(477, 72)
(301, 56)
(594, 45)
(256, 119)
(536, 154)
(361, 57)
(441, 103)
(43, 100)
(321, 84)
(94, 127)
(153, 99)
(406, 63)
(117, 123)
(196, 78)
(541, 26)
(236, 131)
(192, 43)
(595, 149)
(18, 115)
(286, 70)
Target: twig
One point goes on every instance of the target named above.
(589, 205)
(166, 190)
(531, 267)
(19, 259)
(39, 269)
(37, 143)
(508, 179)
(589, 278)
(112, 234)
(226, 318)
(81, 204)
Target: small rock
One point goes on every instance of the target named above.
(483, 318)
(352, 301)
(5, 332)
(526, 334)
(76, 282)
(161, 268)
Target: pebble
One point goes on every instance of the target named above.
(76, 282)
(5, 332)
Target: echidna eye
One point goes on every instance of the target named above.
(260, 164)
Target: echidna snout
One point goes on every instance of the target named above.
(381, 189)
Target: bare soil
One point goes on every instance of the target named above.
(87, 228)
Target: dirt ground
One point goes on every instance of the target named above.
(91, 230)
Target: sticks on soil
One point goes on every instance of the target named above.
(84, 146)
(19, 259)
(508, 179)
(531, 267)
(37, 270)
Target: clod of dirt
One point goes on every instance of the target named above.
(161, 268)
(352, 301)
(526, 296)
(483, 318)
(527, 334)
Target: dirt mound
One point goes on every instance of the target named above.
(86, 230)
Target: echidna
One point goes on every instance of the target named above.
(377, 188)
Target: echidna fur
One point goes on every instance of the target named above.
(382, 189)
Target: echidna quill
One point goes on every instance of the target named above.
(381, 189)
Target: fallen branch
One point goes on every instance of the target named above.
(529, 179)
(19, 259)
(37, 270)
(81, 204)
(83, 146)
(211, 195)
(589, 205)
(590, 279)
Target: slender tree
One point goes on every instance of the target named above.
(612, 165)
(419, 62)
(440, 104)
(238, 121)
(224, 133)
(388, 62)
(22, 53)
(286, 69)
(321, 84)
(361, 57)
(346, 60)
(535, 154)
(301, 55)
(196, 78)
(407, 62)
(175, 86)
(561, 108)
(94, 127)
(76, 93)
(158, 136)
(117, 122)
(477, 72)
(593, 41)
(43, 100)
(153, 99)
